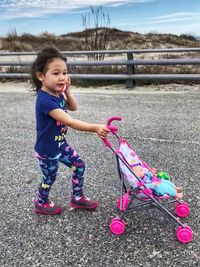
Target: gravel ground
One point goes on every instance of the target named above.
(162, 126)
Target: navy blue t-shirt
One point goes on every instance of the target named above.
(50, 133)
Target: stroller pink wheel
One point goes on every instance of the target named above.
(125, 202)
(184, 234)
(182, 210)
(117, 226)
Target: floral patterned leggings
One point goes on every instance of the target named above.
(49, 168)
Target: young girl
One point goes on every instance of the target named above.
(54, 98)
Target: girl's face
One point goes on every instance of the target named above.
(54, 79)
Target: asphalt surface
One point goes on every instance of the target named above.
(163, 127)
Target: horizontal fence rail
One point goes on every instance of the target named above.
(114, 62)
(12, 59)
(188, 77)
(132, 51)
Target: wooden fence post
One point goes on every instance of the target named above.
(130, 70)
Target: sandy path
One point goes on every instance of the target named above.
(120, 89)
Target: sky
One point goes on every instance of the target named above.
(65, 16)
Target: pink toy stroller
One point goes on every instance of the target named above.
(135, 195)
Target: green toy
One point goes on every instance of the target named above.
(163, 175)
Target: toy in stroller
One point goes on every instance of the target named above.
(143, 188)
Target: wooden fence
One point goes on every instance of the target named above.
(18, 59)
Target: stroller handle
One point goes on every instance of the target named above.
(112, 128)
(113, 118)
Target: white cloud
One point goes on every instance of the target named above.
(175, 17)
(42, 8)
(187, 22)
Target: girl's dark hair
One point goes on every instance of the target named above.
(40, 64)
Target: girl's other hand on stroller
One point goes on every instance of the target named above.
(102, 130)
